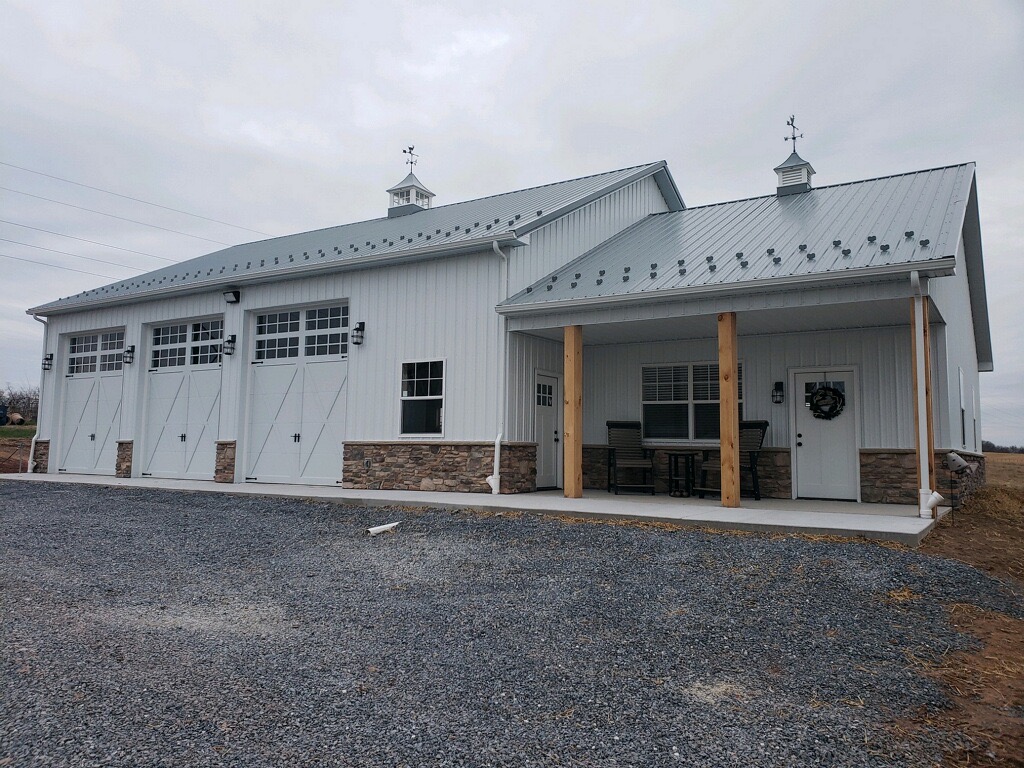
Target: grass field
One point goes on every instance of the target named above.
(15, 432)
(1005, 469)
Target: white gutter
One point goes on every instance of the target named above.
(938, 268)
(927, 499)
(494, 479)
(39, 405)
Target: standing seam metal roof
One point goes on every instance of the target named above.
(905, 219)
(507, 215)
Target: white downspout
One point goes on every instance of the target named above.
(927, 499)
(39, 405)
(494, 479)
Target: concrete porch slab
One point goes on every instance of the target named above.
(882, 522)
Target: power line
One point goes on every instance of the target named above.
(119, 218)
(58, 266)
(54, 250)
(94, 242)
(136, 199)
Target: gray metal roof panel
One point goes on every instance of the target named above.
(825, 232)
(434, 231)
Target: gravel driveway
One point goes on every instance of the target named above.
(164, 628)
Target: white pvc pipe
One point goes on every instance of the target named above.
(39, 405)
(925, 491)
(494, 479)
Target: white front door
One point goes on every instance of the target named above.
(183, 400)
(91, 418)
(297, 402)
(825, 441)
(547, 404)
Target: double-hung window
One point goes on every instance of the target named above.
(423, 398)
(681, 401)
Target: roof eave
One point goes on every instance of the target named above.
(507, 239)
(940, 267)
(971, 230)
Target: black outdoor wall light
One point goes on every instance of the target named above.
(358, 333)
(128, 356)
(778, 393)
(228, 347)
(48, 361)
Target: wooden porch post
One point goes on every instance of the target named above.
(928, 392)
(729, 414)
(572, 433)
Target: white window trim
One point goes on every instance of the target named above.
(690, 441)
(444, 396)
(252, 324)
(98, 333)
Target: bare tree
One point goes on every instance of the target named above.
(23, 400)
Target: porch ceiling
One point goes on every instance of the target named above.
(749, 323)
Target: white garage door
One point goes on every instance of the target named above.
(297, 397)
(183, 400)
(91, 418)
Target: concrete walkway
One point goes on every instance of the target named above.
(884, 522)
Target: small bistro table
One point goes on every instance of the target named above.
(682, 483)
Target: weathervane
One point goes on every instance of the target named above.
(412, 159)
(792, 124)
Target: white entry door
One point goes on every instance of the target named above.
(91, 417)
(825, 441)
(547, 425)
(297, 397)
(183, 400)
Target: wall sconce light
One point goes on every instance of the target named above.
(232, 297)
(48, 361)
(778, 393)
(358, 333)
(128, 356)
(228, 347)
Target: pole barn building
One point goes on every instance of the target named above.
(484, 346)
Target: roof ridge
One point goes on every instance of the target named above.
(434, 208)
(830, 186)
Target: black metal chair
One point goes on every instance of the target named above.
(751, 440)
(626, 454)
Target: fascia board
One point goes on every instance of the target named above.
(295, 272)
(941, 267)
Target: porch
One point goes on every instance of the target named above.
(881, 522)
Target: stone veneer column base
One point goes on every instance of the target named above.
(123, 466)
(224, 469)
(41, 457)
(440, 466)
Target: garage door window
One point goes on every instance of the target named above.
(319, 332)
(82, 354)
(206, 341)
(422, 398)
(195, 343)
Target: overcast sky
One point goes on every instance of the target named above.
(284, 117)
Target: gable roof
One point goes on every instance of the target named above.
(440, 231)
(888, 224)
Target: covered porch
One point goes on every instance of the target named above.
(766, 353)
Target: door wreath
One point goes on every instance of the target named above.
(827, 403)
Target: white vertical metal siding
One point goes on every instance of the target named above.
(952, 299)
(563, 240)
(611, 378)
(527, 355)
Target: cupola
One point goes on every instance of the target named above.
(794, 174)
(408, 196)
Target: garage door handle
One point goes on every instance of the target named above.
(92, 436)
(181, 437)
(296, 437)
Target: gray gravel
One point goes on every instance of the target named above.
(165, 628)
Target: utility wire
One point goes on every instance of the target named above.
(129, 197)
(120, 218)
(54, 250)
(58, 266)
(94, 242)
